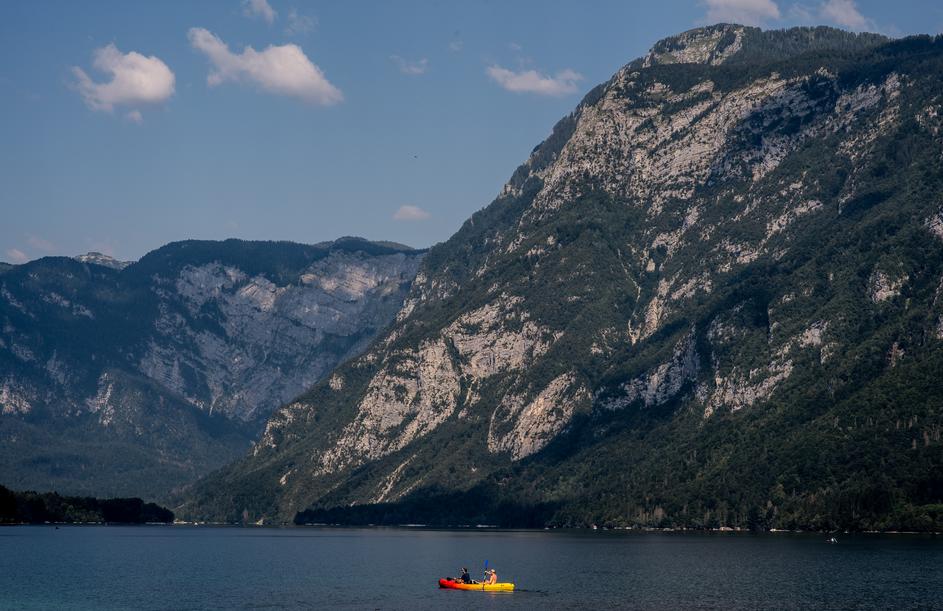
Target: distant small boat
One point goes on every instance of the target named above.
(832, 540)
(453, 584)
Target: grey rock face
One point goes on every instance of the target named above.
(663, 382)
(711, 45)
(226, 331)
(268, 342)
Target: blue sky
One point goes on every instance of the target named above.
(126, 125)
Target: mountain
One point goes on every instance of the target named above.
(133, 379)
(712, 297)
(104, 260)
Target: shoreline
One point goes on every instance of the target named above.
(478, 528)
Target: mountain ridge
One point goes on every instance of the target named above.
(166, 366)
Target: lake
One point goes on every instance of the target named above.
(180, 567)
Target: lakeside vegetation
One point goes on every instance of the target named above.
(48, 507)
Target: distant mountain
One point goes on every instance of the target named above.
(104, 260)
(712, 297)
(130, 379)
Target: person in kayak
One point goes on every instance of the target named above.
(493, 578)
(465, 578)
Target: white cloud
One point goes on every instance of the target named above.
(135, 79)
(259, 9)
(410, 213)
(516, 47)
(531, 81)
(412, 68)
(16, 255)
(299, 24)
(41, 244)
(747, 12)
(135, 117)
(845, 14)
(283, 70)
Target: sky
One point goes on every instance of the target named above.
(125, 125)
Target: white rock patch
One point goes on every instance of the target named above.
(537, 422)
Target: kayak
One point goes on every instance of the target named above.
(451, 584)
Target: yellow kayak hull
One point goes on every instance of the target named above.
(481, 587)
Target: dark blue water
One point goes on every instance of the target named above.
(259, 568)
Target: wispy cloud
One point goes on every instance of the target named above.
(259, 9)
(531, 81)
(40, 244)
(135, 79)
(299, 25)
(283, 70)
(15, 255)
(842, 13)
(800, 13)
(410, 213)
(846, 14)
(412, 68)
(747, 12)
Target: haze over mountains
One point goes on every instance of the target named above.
(710, 298)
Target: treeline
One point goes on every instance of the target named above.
(844, 511)
(482, 505)
(40, 508)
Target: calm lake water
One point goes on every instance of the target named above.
(158, 567)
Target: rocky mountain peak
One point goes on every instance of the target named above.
(726, 43)
(97, 258)
(711, 45)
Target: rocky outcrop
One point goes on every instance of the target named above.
(935, 224)
(412, 395)
(418, 389)
(97, 258)
(662, 383)
(530, 424)
(882, 286)
(712, 45)
(14, 399)
(270, 341)
(739, 389)
(495, 338)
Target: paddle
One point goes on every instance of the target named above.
(484, 579)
